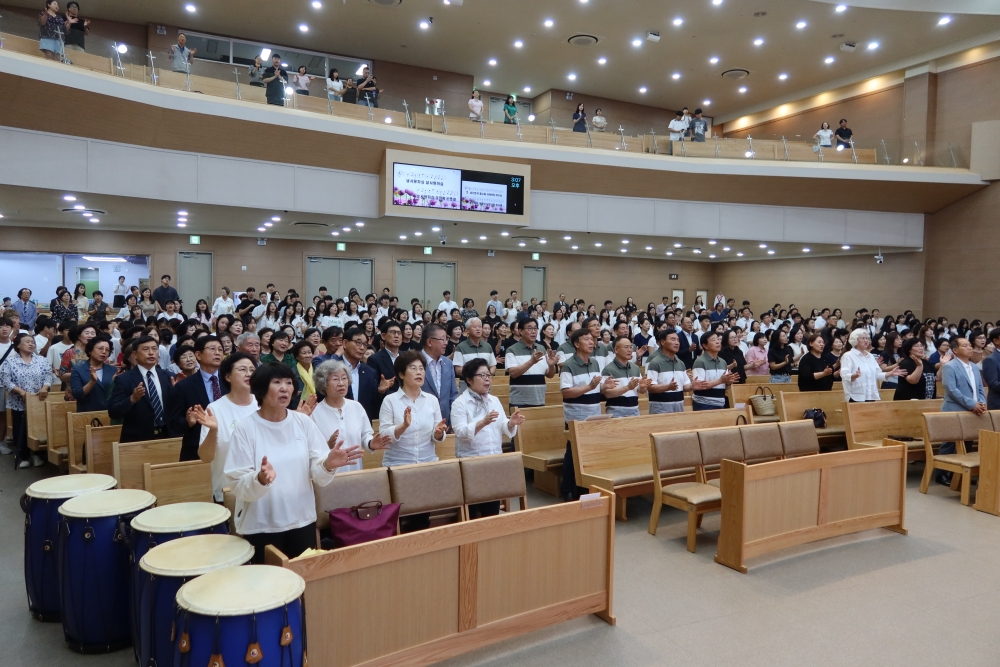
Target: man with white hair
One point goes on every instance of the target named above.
(473, 347)
(249, 343)
(860, 371)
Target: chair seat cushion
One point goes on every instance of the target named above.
(693, 492)
(766, 419)
(910, 444)
(625, 474)
(717, 483)
(964, 460)
(830, 430)
(549, 456)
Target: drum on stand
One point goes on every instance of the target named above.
(163, 524)
(94, 579)
(251, 614)
(41, 502)
(163, 570)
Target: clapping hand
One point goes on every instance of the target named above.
(204, 417)
(407, 417)
(386, 384)
(440, 429)
(516, 417)
(266, 474)
(610, 382)
(192, 416)
(595, 380)
(306, 407)
(138, 392)
(633, 383)
(380, 441)
(489, 418)
(672, 386)
(536, 356)
(855, 375)
(335, 440)
(93, 375)
(552, 358)
(341, 456)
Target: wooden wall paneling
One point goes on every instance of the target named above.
(988, 489)
(965, 95)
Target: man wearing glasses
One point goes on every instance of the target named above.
(364, 378)
(440, 378)
(528, 364)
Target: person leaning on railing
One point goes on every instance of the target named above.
(181, 55)
(52, 28)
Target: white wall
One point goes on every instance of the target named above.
(39, 272)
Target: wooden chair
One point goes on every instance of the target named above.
(942, 427)
(98, 442)
(489, 478)
(541, 440)
(428, 488)
(129, 458)
(58, 433)
(674, 454)
(798, 438)
(183, 482)
(76, 425)
(761, 443)
(349, 489)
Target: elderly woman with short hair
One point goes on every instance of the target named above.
(340, 418)
(860, 371)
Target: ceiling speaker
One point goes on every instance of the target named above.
(735, 74)
(583, 40)
(386, 3)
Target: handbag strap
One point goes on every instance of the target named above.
(6, 354)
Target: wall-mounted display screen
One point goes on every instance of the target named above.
(457, 189)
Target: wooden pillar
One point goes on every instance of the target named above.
(919, 112)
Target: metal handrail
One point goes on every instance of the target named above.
(656, 148)
(590, 142)
(752, 154)
(371, 109)
(717, 153)
(886, 149)
(552, 122)
(854, 155)
(519, 136)
(236, 71)
(622, 130)
(784, 143)
(444, 122)
(406, 107)
(152, 68)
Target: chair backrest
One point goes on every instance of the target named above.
(489, 478)
(129, 458)
(98, 441)
(942, 427)
(741, 393)
(543, 429)
(183, 482)
(720, 443)
(972, 424)
(35, 415)
(871, 422)
(761, 442)
(425, 487)
(675, 451)
(55, 423)
(76, 427)
(995, 416)
(798, 438)
(349, 489)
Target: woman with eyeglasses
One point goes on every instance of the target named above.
(410, 417)
(339, 418)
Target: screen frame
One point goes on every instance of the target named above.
(392, 156)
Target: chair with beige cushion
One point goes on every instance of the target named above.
(489, 478)
(718, 444)
(950, 427)
(349, 489)
(428, 487)
(761, 443)
(676, 454)
(798, 438)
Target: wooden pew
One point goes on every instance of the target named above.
(98, 441)
(38, 434)
(772, 506)
(453, 589)
(988, 490)
(962, 429)
(541, 439)
(58, 433)
(129, 458)
(182, 482)
(613, 454)
(76, 427)
(868, 424)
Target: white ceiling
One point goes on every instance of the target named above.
(34, 207)
(463, 37)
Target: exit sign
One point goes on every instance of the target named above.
(536, 256)
(428, 250)
(341, 247)
(194, 240)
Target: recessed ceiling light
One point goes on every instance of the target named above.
(725, 248)
(182, 219)
(571, 77)
(697, 251)
(576, 247)
(261, 229)
(527, 89)
(359, 224)
(522, 244)
(782, 76)
(677, 245)
(829, 60)
(303, 27)
(739, 254)
(743, 89)
(92, 219)
(805, 250)
(346, 229)
(800, 25)
(872, 46)
(567, 238)
(69, 198)
(335, 233)
(317, 4)
(625, 241)
(670, 253)
(706, 103)
(841, 8)
(763, 245)
(711, 256)
(716, 2)
(758, 41)
(712, 242)
(518, 44)
(549, 23)
(675, 76)
(602, 61)
(181, 224)
(402, 237)
(275, 218)
(845, 247)
(713, 60)
(583, 2)
(597, 245)
(493, 62)
(87, 214)
(486, 82)
(418, 233)
(770, 252)
(649, 247)
(482, 238)
(542, 241)
(190, 8)
(678, 21)
(643, 89)
(424, 25)
(637, 42)
(182, 213)
(269, 224)
(944, 20)
(438, 229)
(435, 229)
(624, 249)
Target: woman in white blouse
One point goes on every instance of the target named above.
(334, 86)
(475, 107)
(342, 419)
(224, 305)
(275, 457)
(824, 135)
(410, 417)
(267, 316)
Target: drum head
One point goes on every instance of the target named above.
(239, 591)
(180, 518)
(196, 555)
(69, 486)
(115, 502)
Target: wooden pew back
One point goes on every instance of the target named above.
(76, 427)
(38, 433)
(98, 442)
(543, 429)
(182, 482)
(867, 424)
(129, 458)
(55, 424)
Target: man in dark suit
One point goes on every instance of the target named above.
(689, 343)
(143, 396)
(383, 360)
(991, 372)
(439, 380)
(364, 378)
(200, 389)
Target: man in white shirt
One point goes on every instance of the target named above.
(821, 319)
(745, 319)
(447, 304)
(677, 127)
(383, 308)
(517, 302)
(860, 371)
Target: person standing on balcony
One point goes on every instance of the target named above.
(699, 127)
(78, 28)
(677, 127)
(366, 88)
(275, 78)
(844, 134)
(599, 122)
(301, 81)
(181, 55)
(350, 92)
(824, 135)
(475, 107)
(52, 29)
(509, 111)
(580, 119)
(256, 73)
(334, 86)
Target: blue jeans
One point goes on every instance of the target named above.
(781, 379)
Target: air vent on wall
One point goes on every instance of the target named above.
(583, 40)
(386, 3)
(309, 224)
(735, 74)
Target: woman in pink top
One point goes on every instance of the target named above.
(757, 356)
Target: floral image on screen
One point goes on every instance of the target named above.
(426, 187)
(486, 197)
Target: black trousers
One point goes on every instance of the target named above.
(291, 542)
(480, 510)
(20, 435)
(567, 486)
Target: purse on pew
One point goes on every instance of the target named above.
(763, 402)
(743, 417)
(817, 416)
(363, 523)
(94, 423)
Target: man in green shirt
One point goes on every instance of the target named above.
(623, 398)
(566, 350)
(667, 375)
(601, 351)
(711, 375)
(528, 364)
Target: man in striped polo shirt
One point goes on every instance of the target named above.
(528, 364)
(580, 383)
(711, 377)
(667, 375)
(601, 353)
(473, 347)
(623, 399)
(566, 350)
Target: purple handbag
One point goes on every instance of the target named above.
(363, 523)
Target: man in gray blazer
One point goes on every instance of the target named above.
(991, 372)
(963, 391)
(440, 377)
